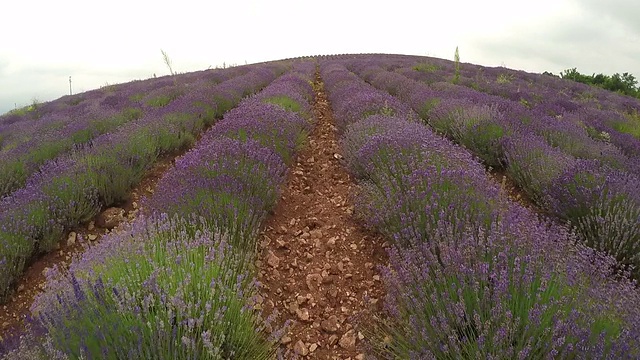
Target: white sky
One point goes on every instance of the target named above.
(43, 42)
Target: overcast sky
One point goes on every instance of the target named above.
(43, 42)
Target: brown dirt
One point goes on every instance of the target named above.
(13, 313)
(515, 194)
(318, 264)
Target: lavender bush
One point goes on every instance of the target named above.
(369, 143)
(269, 124)
(603, 206)
(366, 102)
(292, 92)
(232, 184)
(480, 128)
(472, 275)
(73, 188)
(497, 295)
(24, 230)
(567, 134)
(157, 292)
(363, 99)
(70, 190)
(174, 287)
(533, 164)
(410, 209)
(23, 160)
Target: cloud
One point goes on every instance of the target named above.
(45, 83)
(586, 35)
(621, 13)
(122, 41)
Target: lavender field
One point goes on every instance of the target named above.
(473, 271)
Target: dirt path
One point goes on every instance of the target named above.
(318, 263)
(12, 313)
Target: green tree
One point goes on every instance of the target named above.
(456, 60)
(625, 84)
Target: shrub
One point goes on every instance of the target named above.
(369, 144)
(271, 125)
(533, 164)
(285, 102)
(410, 208)
(155, 291)
(497, 294)
(230, 183)
(480, 128)
(603, 206)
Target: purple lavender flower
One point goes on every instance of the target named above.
(269, 124)
(230, 183)
(533, 164)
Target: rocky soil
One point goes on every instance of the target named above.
(318, 264)
(14, 312)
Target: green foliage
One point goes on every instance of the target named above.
(142, 150)
(16, 249)
(223, 210)
(29, 109)
(427, 106)
(625, 84)
(426, 67)
(103, 125)
(164, 99)
(74, 101)
(286, 102)
(167, 61)
(46, 231)
(526, 103)
(224, 104)
(504, 78)
(483, 138)
(167, 293)
(108, 88)
(379, 110)
(129, 114)
(456, 60)
(208, 113)
(136, 97)
(597, 135)
(159, 101)
(82, 136)
(48, 151)
(12, 175)
(74, 196)
(179, 133)
(631, 125)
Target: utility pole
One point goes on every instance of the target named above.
(70, 93)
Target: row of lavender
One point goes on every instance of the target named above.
(605, 116)
(71, 189)
(471, 275)
(590, 183)
(178, 283)
(46, 114)
(29, 141)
